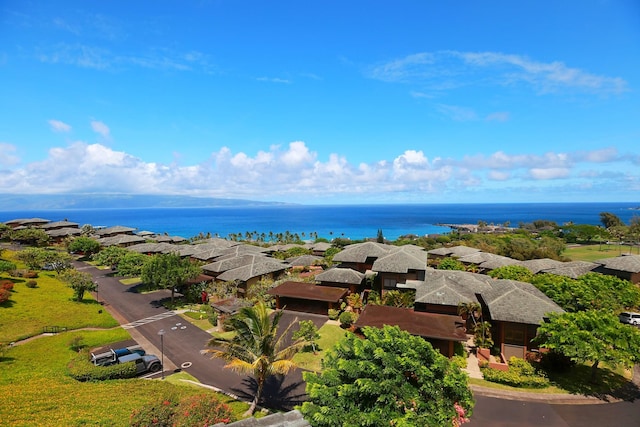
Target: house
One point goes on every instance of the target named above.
(308, 297)
(361, 256)
(342, 277)
(441, 330)
(123, 240)
(399, 265)
(452, 251)
(58, 225)
(113, 231)
(256, 268)
(625, 267)
(19, 223)
(514, 309)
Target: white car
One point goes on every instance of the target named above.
(630, 318)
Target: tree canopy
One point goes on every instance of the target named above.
(589, 291)
(388, 378)
(80, 282)
(168, 271)
(591, 336)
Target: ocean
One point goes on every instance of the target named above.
(353, 221)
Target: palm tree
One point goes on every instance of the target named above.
(256, 349)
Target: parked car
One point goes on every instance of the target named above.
(630, 318)
(144, 364)
(111, 357)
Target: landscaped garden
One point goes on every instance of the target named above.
(35, 385)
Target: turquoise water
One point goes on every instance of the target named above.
(355, 222)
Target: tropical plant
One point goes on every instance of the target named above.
(256, 348)
(512, 272)
(308, 332)
(482, 335)
(470, 310)
(388, 378)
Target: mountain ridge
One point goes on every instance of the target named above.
(14, 202)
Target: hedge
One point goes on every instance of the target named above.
(81, 369)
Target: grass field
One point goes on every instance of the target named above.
(36, 390)
(29, 310)
(329, 336)
(596, 251)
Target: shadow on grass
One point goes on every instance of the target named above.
(276, 395)
(609, 385)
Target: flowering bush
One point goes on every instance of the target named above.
(31, 284)
(201, 410)
(6, 284)
(4, 295)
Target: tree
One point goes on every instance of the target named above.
(86, 245)
(80, 283)
(512, 272)
(56, 260)
(471, 310)
(380, 237)
(168, 271)
(450, 264)
(111, 256)
(308, 332)
(30, 236)
(591, 336)
(609, 220)
(388, 378)
(256, 348)
(131, 264)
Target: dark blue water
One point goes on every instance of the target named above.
(355, 222)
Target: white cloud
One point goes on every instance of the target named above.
(443, 70)
(7, 156)
(550, 173)
(58, 126)
(294, 172)
(100, 128)
(458, 113)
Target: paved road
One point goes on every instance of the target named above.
(144, 315)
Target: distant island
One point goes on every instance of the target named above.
(11, 202)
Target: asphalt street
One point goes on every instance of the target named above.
(182, 345)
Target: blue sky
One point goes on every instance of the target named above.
(322, 102)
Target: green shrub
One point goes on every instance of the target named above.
(81, 369)
(31, 284)
(333, 314)
(347, 318)
(30, 274)
(520, 374)
(213, 318)
(459, 361)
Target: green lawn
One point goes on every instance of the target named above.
(37, 391)
(329, 335)
(29, 310)
(596, 251)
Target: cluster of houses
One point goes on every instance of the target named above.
(514, 309)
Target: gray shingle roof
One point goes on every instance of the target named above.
(304, 260)
(456, 251)
(448, 287)
(573, 269)
(280, 419)
(341, 275)
(120, 239)
(359, 252)
(231, 262)
(259, 267)
(537, 265)
(519, 302)
(401, 261)
(153, 248)
(627, 263)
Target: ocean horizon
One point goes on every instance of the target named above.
(346, 221)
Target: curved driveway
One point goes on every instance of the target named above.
(144, 316)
